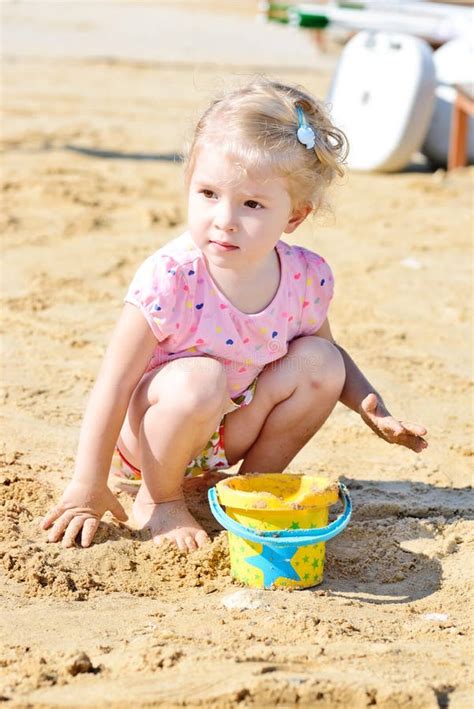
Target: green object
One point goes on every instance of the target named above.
(286, 13)
(319, 22)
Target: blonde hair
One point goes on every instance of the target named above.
(257, 124)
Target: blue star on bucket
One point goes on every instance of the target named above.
(275, 562)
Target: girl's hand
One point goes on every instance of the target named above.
(379, 420)
(80, 510)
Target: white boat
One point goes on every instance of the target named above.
(382, 97)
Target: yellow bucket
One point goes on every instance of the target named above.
(278, 526)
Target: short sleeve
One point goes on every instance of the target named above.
(153, 292)
(318, 293)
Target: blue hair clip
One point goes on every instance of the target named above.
(305, 133)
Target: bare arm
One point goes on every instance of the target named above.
(87, 497)
(125, 361)
(359, 395)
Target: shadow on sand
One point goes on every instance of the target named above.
(120, 155)
(391, 551)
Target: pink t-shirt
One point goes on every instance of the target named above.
(190, 317)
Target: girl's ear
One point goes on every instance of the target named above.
(298, 216)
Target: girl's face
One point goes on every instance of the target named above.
(236, 218)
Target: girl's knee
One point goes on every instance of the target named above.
(192, 390)
(320, 361)
(197, 387)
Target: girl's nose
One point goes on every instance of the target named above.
(225, 218)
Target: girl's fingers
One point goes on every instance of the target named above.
(396, 429)
(416, 445)
(393, 431)
(48, 520)
(190, 543)
(59, 526)
(182, 544)
(409, 435)
(202, 538)
(117, 510)
(409, 440)
(389, 427)
(414, 428)
(89, 529)
(413, 437)
(73, 529)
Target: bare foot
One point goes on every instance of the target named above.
(170, 520)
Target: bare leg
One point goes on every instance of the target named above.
(171, 417)
(293, 399)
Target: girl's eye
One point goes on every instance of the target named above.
(253, 204)
(209, 194)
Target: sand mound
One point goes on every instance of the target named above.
(120, 560)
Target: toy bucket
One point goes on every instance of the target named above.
(278, 526)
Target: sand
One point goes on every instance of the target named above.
(90, 188)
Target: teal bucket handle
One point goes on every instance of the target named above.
(282, 537)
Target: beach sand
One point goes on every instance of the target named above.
(91, 187)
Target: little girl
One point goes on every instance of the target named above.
(223, 351)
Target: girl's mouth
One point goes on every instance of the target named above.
(221, 246)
